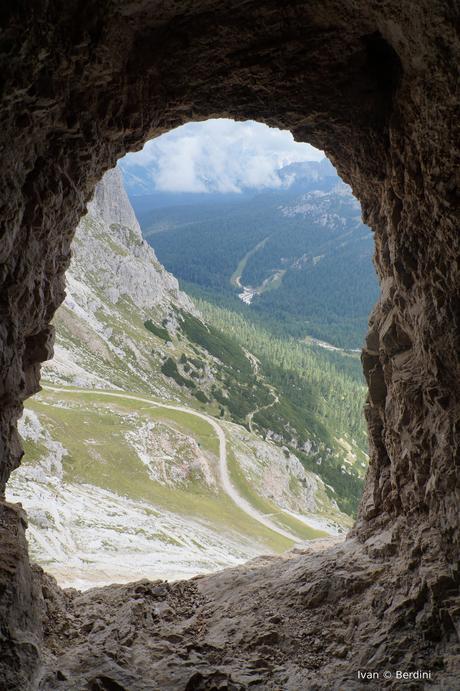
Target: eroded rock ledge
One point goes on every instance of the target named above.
(373, 84)
(308, 620)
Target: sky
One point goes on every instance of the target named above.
(215, 156)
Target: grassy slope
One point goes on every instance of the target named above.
(231, 386)
(104, 421)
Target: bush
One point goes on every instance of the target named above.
(169, 368)
(201, 396)
(223, 347)
(158, 331)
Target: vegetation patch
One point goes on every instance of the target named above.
(201, 396)
(158, 331)
(221, 346)
(169, 369)
(348, 487)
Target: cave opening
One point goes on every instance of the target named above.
(85, 85)
(121, 477)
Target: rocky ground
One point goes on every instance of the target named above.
(276, 623)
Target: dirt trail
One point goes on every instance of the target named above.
(255, 366)
(226, 483)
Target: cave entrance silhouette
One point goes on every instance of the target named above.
(84, 85)
(76, 439)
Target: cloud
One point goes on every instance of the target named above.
(215, 156)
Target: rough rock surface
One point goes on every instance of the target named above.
(373, 84)
(304, 621)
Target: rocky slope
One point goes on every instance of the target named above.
(114, 283)
(275, 623)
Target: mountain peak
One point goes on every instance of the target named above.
(111, 204)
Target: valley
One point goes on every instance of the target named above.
(297, 256)
(249, 292)
(174, 437)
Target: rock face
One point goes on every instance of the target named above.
(113, 282)
(373, 84)
(305, 621)
(131, 269)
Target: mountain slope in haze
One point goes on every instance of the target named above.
(298, 255)
(143, 178)
(123, 474)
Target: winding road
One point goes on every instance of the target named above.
(226, 483)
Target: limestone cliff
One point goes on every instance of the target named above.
(110, 253)
(114, 283)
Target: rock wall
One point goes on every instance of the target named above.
(137, 275)
(373, 84)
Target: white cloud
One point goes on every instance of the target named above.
(216, 155)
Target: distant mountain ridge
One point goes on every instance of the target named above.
(139, 182)
(300, 174)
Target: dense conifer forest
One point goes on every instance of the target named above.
(307, 257)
